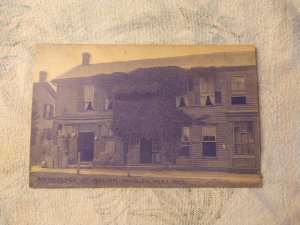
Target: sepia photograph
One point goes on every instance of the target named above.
(145, 116)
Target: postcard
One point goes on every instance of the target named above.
(145, 116)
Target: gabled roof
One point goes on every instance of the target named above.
(190, 61)
(46, 86)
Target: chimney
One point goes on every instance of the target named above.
(42, 76)
(86, 58)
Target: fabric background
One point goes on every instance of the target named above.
(273, 26)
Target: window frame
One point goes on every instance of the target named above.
(190, 85)
(185, 100)
(48, 114)
(107, 104)
(239, 92)
(156, 156)
(243, 133)
(185, 144)
(207, 91)
(209, 141)
(85, 107)
(218, 88)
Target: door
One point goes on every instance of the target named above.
(86, 146)
(145, 151)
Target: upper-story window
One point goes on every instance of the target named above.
(207, 91)
(48, 111)
(238, 93)
(190, 85)
(218, 91)
(89, 94)
(182, 101)
(108, 103)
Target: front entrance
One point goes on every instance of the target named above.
(145, 151)
(86, 146)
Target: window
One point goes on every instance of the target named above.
(238, 95)
(244, 138)
(110, 131)
(48, 111)
(89, 93)
(237, 84)
(108, 104)
(207, 91)
(218, 97)
(238, 100)
(182, 101)
(185, 142)
(46, 135)
(68, 130)
(67, 143)
(218, 93)
(209, 141)
(156, 148)
(190, 85)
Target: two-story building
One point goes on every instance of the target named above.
(97, 105)
(43, 104)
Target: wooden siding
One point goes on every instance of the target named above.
(70, 101)
(69, 107)
(222, 116)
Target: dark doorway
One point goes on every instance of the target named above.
(145, 151)
(86, 146)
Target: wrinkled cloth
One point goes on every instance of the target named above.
(272, 26)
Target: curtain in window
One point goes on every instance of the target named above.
(89, 97)
(182, 101)
(106, 103)
(207, 90)
(208, 131)
(185, 134)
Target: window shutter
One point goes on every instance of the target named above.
(45, 112)
(177, 101)
(51, 111)
(80, 98)
(185, 134)
(190, 84)
(191, 98)
(197, 91)
(97, 104)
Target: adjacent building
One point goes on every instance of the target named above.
(43, 108)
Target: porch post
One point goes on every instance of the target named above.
(78, 163)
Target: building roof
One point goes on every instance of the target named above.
(190, 61)
(46, 86)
